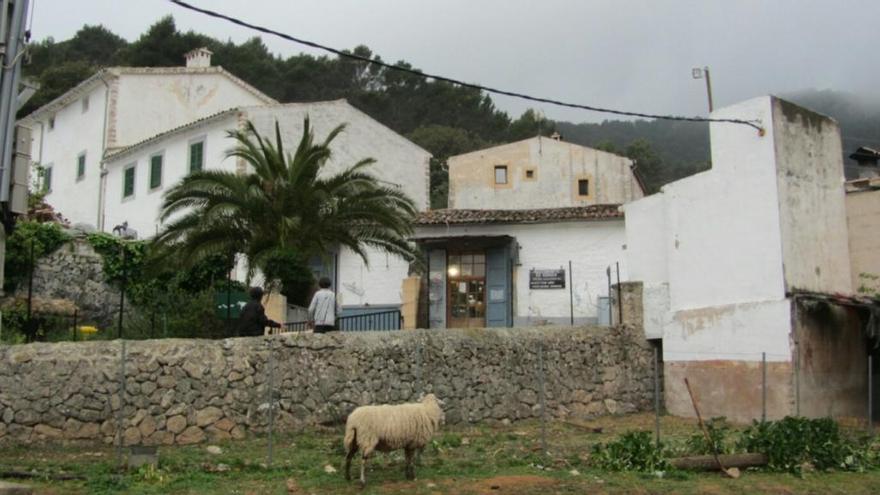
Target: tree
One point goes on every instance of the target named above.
(285, 208)
(443, 142)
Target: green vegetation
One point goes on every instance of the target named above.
(46, 238)
(633, 451)
(462, 459)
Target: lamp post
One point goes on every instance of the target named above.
(698, 73)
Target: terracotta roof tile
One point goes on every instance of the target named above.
(543, 215)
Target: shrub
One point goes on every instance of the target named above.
(793, 443)
(633, 451)
(46, 238)
(719, 430)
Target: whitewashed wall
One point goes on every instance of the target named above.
(811, 200)
(398, 160)
(149, 103)
(377, 283)
(74, 132)
(142, 210)
(556, 166)
(591, 246)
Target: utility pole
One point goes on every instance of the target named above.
(13, 169)
(698, 73)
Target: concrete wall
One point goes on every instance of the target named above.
(590, 246)
(863, 221)
(812, 208)
(148, 104)
(187, 391)
(556, 168)
(141, 210)
(75, 132)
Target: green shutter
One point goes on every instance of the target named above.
(155, 171)
(128, 182)
(47, 179)
(80, 167)
(196, 156)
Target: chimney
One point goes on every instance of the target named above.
(200, 57)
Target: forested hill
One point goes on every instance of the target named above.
(444, 119)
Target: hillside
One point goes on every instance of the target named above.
(444, 119)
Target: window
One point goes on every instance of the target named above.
(128, 181)
(501, 174)
(196, 156)
(81, 166)
(530, 174)
(51, 122)
(155, 171)
(47, 179)
(85, 104)
(583, 187)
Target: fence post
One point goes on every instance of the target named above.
(657, 393)
(75, 311)
(122, 292)
(541, 391)
(763, 387)
(870, 393)
(119, 415)
(570, 294)
(619, 296)
(271, 384)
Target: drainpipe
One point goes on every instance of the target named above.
(102, 181)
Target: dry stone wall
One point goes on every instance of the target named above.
(178, 391)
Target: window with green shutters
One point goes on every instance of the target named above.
(196, 156)
(80, 166)
(155, 171)
(128, 182)
(47, 179)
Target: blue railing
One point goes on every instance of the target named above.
(378, 321)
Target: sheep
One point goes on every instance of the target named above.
(386, 428)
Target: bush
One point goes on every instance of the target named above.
(795, 443)
(633, 451)
(46, 238)
(719, 430)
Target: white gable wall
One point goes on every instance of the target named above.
(74, 132)
(149, 104)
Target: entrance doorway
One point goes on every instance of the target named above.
(466, 289)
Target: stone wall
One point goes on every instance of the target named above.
(187, 391)
(76, 272)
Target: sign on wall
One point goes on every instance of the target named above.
(547, 279)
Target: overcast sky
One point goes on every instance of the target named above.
(633, 55)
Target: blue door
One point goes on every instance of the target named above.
(498, 285)
(437, 288)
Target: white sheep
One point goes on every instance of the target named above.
(386, 428)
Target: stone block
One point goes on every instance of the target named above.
(176, 424)
(192, 434)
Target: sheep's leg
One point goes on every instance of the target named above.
(409, 470)
(351, 452)
(363, 468)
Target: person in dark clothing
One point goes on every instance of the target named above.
(253, 320)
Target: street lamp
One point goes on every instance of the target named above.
(698, 73)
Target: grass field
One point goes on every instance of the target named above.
(498, 459)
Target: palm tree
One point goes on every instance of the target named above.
(285, 204)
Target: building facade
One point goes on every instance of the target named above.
(737, 263)
(115, 108)
(540, 172)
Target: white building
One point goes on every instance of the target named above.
(734, 262)
(532, 229)
(540, 172)
(138, 175)
(115, 108)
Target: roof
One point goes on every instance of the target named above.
(865, 154)
(543, 215)
(115, 153)
(543, 139)
(110, 72)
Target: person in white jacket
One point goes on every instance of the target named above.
(324, 308)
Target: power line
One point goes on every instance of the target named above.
(455, 81)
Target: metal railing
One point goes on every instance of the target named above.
(377, 321)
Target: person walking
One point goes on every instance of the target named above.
(253, 321)
(324, 308)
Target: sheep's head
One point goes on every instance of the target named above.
(432, 401)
